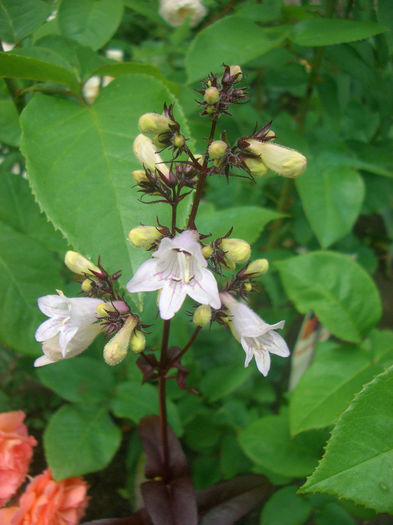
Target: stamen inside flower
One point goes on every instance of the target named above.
(184, 260)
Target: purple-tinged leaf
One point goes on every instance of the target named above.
(140, 517)
(226, 502)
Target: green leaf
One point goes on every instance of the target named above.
(136, 401)
(19, 18)
(89, 22)
(213, 45)
(222, 380)
(329, 384)
(79, 440)
(285, 506)
(332, 196)
(325, 31)
(268, 443)
(82, 380)
(375, 158)
(358, 461)
(80, 161)
(9, 122)
(336, 287)
(18, 66)
(248, 221)
(333, 513)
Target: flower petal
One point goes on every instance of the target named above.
(262, 359)
(204, 289)
(275, 344)
(83, 310)
(171, 299)
(145, 278)
(42, 361)
(66, 334)
(48, 329)
(53, 305)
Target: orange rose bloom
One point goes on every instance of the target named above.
(49, 502)
(16, 449)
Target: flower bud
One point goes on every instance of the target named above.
(86, 285)
(116, 350)
(178, 140)
(217, 149)
(154, 123)
(144, 236)
(198, 157)
(202, 315)
(236, 250)
(256, 167)
(104, 309)
(247, 287)
(139, 176)
(147, 155)
(137, 342)
(207, 251)
(234, 70)
(284, 161)
(211, 95)
(256, 268)
(79, 264)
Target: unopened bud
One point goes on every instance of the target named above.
(217, 149)
(137, 342)
(234, 70)
(79, 264)
(105, 309)
(154, 123)
(256, 167)
(198, 157)
(147, 155)
(207, 251)
(256, 268)
(209, 110)
(284, 161)
(144, 236)
(211, 95)
(116, 350)
(236, 250)
(202, 315)
(247, 287)
(178, 140)
(139, 176)
(86, 285)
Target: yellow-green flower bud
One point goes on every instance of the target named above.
(154, 123)
(236, 250)
(207, 251)
(256, 268)
(86, 285)
(178, 140)
(284, 161)
(256, 167)
(104, 309)
(202, 315)
(144, 236)
(211, 95)
(209, 110)
(137, 342)
(116, 350)
(234, 70)
(79, 264)
(198, 157)
(248, 287)
(139, 176)
(217, 149)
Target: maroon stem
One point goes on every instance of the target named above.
(162, 397)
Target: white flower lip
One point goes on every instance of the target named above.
(257, 338)
(178, 268)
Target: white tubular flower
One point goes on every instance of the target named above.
(70, 329)
(175, 12)
(284, 161)
(147, 155)
(178, 268)
(257, 338)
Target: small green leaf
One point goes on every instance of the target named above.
(222, 380)
(212, 47)
(79, 440)
(285, 506)
(335, 287)
(19, 18)
(358, 461)
(325, 31)
(9, 123)
(89, 22)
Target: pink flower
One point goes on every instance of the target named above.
(257, 338)
(16, 450)
(49, 502)
(178, 268)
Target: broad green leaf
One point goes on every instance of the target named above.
(329, 384)
(136, 401)
(336, 287)
(285, 506)
(375, 158)
(18, 66)
(82, 380)
(332, 196)
(19, 18)
(333, 513)
(248, 221)
(231, 40)
(80, 439)
(222, 380)
(325, 31)
(358, 461)
(79, 160)
(9, 122)
(89, 22)
(268, 443)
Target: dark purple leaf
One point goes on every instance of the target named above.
(226, 502)
(140, 517)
